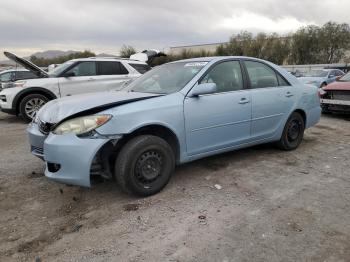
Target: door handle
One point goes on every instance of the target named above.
(289, 94)
(243, 101)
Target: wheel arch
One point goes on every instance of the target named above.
(110, 151)
(302, 113)
(33, 90)
(159, 130)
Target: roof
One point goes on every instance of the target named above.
(217, 58)
(108, 59)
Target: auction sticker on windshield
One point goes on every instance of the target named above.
(196, 64)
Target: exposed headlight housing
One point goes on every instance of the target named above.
(81, 125)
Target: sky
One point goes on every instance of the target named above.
(103, 26)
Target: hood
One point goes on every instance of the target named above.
(73, 106)
(26, 64)
(339, 85)
(306, 79)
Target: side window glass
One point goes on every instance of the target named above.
(141, 68)
(260, 75)
(84, 69)
(338, 73)
(227, 76)
(282, 81)
(111, 68)
(5, 77)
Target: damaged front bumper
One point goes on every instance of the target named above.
(36, 140)
(68, 158)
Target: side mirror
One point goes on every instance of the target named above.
(69, 74)
(203, 89)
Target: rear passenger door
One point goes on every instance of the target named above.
(272, 99)
(111, 75)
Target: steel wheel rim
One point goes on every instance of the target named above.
(32, 106)
(294, 130)
(148, 168)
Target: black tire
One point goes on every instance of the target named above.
(323, 85)
(293, 132)
(144, 165)
(34, 100)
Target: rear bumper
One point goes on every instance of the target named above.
(340, 109)
(313, 116)
(68, 158)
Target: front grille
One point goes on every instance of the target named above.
(44, 127)
(338, 95)
(37, 150)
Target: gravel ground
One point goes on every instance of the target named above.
(273, 206)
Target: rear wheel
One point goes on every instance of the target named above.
(293, 132)
(30, 105)
(323, 85)
(144, 165)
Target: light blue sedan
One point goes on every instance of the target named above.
(173, 114)
(321, 77)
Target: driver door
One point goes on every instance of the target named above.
(79, 79)
(220, 120)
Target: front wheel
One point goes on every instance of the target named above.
(144, 165)
(293, 132)
(30, 105)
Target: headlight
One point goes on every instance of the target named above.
(81, 125)
(19, 83)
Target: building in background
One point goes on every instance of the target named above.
(176, 50)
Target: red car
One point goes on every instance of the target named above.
(335, 97)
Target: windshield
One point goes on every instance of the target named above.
(166, 79)
(317, 73)
(345, 78)
(58, 70)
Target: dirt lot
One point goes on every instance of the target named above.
(273, 206)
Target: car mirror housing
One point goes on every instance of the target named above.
(69, 74)
(203, 89)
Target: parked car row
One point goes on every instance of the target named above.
(8, 77)
(336, 96)
(74, 77)
(321, 77)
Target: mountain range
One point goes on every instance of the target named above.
(51, 54)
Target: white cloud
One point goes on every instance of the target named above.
(105, 25)
(257, 23)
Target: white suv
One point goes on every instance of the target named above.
(76, 76)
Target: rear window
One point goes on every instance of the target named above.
(111, 68)
(141, 68)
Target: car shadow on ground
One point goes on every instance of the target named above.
(345, 117)
(11, 119)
